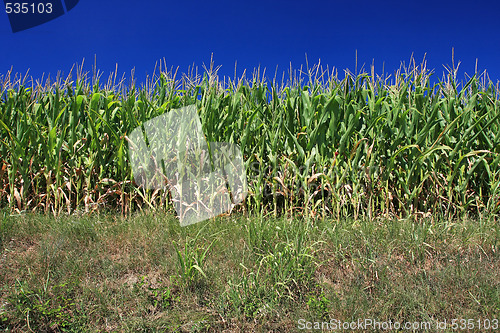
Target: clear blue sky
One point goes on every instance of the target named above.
(252, 33)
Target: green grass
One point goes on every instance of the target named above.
(145, 273)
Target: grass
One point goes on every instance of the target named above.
(145, 273)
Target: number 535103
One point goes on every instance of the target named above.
(27, 8)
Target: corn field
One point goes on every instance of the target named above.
(313, 144)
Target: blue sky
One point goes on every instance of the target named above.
(136, 34)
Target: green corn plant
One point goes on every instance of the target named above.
(397, 146)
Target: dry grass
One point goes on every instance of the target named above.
(123, 275)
